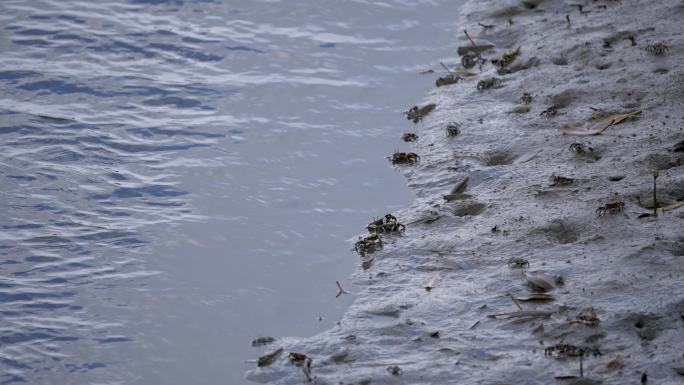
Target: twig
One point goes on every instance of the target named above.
(469, 38)
(567, 17)
(447, 69)
(581, 366)
(655, 198)
(341, 290)
(516, 302)
(485, 26)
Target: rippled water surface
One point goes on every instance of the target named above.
(180, 177)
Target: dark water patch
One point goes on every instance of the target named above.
(113, 339)
(187, 53)
(149, 132)
(244, 48)
(40, 259)
(25, 178)
(103, 235)
(122, 47)
(17, 74)
(173, 101)
(35, 32)
(61, 87)
(73, 37)
(32, 42)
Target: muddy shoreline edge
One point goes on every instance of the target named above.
(580, 64)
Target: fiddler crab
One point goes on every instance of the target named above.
(368, 244)
(657, 49)
(610, 208)
(469, 60)
(526, 98)
(562, 349)
(589, 318)
(557, 180)
(489, 83)
(405, 158)
(579, 148)
(386, 224)
(452, 129)
(518, 263)
(549, 112)
(409, 137)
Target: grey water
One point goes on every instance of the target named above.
(180, 177)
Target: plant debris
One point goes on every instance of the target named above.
(536, 297)
(301, 360)
(600, 126)
(409, 137)
(416, 114)
(523, 314)
(539, 281)
(261, 341)
(432, 282)
(447, 80)
(340, 290)
(267, 359)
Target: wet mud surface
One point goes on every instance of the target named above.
(543, 267)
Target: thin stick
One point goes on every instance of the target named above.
(469, 38)
(485, 26)
(581, 366)
(655, 198)
(516, 302)
(341, 290)
(447, 69)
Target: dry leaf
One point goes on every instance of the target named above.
(595, 128)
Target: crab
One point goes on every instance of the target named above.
(386, 224)
(518, 263)
(409, 137)
(526, 98)
(610, 208)
(579, 148)
(469, 60)
(368, 244)
(507, 58)
(405, 158)
(452, 129)
(557, 180)
(588, 318)
(549, 112)
(489, 83)
(563, 349)
(657, 49)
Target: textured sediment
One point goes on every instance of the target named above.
(629, 269)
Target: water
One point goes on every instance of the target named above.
(180, 177)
